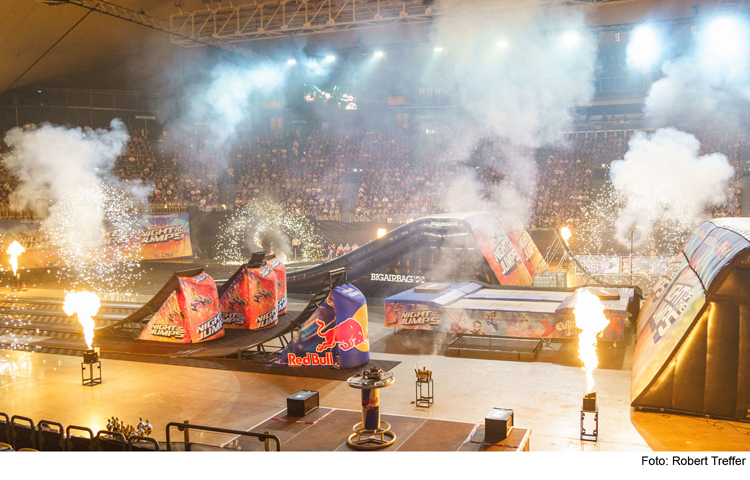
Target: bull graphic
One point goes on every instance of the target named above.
(347, 335)
(329, 337)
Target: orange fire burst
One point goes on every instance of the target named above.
(14, 250)
(590, 320)
(565, 232)
(85, 304)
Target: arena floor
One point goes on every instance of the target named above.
(545, 394)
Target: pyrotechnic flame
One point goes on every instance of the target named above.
(565, 232)
(14, 251)
(381, 232)
(85, 304)
(590, 319)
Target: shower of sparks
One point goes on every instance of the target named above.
(14, 364)
(257, 219)
(597, 236)
(14, 251)
(98, 239)
(85, 304)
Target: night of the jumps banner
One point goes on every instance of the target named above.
(162, 237)
(508, 248)
(191, 313)
(678, 297)
(280, 269)
(335, 336)
(251, 301)
(497, 322)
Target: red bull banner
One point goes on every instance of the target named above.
(508, 248)
(250, 302)
(191, 313)
(162, 236)
(280, 269)
(335, 336)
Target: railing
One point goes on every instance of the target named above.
(186, 427)
(50, 436)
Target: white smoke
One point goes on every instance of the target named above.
(520, 91)
(225, 102)
(662, 178)
(710, 76)
(58, 169)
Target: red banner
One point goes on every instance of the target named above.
(191, 314)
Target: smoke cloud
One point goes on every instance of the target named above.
(224, 102)
(708, 77)
(663, 179)
(59, 169)
(518, 77)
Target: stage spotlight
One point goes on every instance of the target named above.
(571, 39)
(379, 54)
(438, 49)
(725, 38)
(643, 48)
(502, 44)
(330, 58)
(291, 61)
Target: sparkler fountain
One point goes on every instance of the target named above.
(590, 320)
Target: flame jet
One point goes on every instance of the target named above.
(590, 319)
(14, 250)
(85, 304)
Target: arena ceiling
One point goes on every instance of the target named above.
(58, 43)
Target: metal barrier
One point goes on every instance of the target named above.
(186, 427)
(136, 438)
(22, 436)
(75, 443)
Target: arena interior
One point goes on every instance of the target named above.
(526, 219)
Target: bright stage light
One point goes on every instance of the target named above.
(381, 232)
(291, 61)
(643, 48)
(330, 58)
(725, 38)
(502, 44)
(571, 39)
(438, 49)
(379, 54)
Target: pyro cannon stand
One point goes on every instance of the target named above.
(371, 433)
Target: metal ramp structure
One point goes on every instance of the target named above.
(132, 325)
(555, 257)
(268, 349)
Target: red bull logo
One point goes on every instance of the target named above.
(311, 360)
(350, 334)
(346, 335)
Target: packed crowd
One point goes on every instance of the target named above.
(388, 175)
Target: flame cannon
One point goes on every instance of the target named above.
(85, 305)
(590, 320)
(14, 250)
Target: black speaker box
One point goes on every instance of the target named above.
(302, 403)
